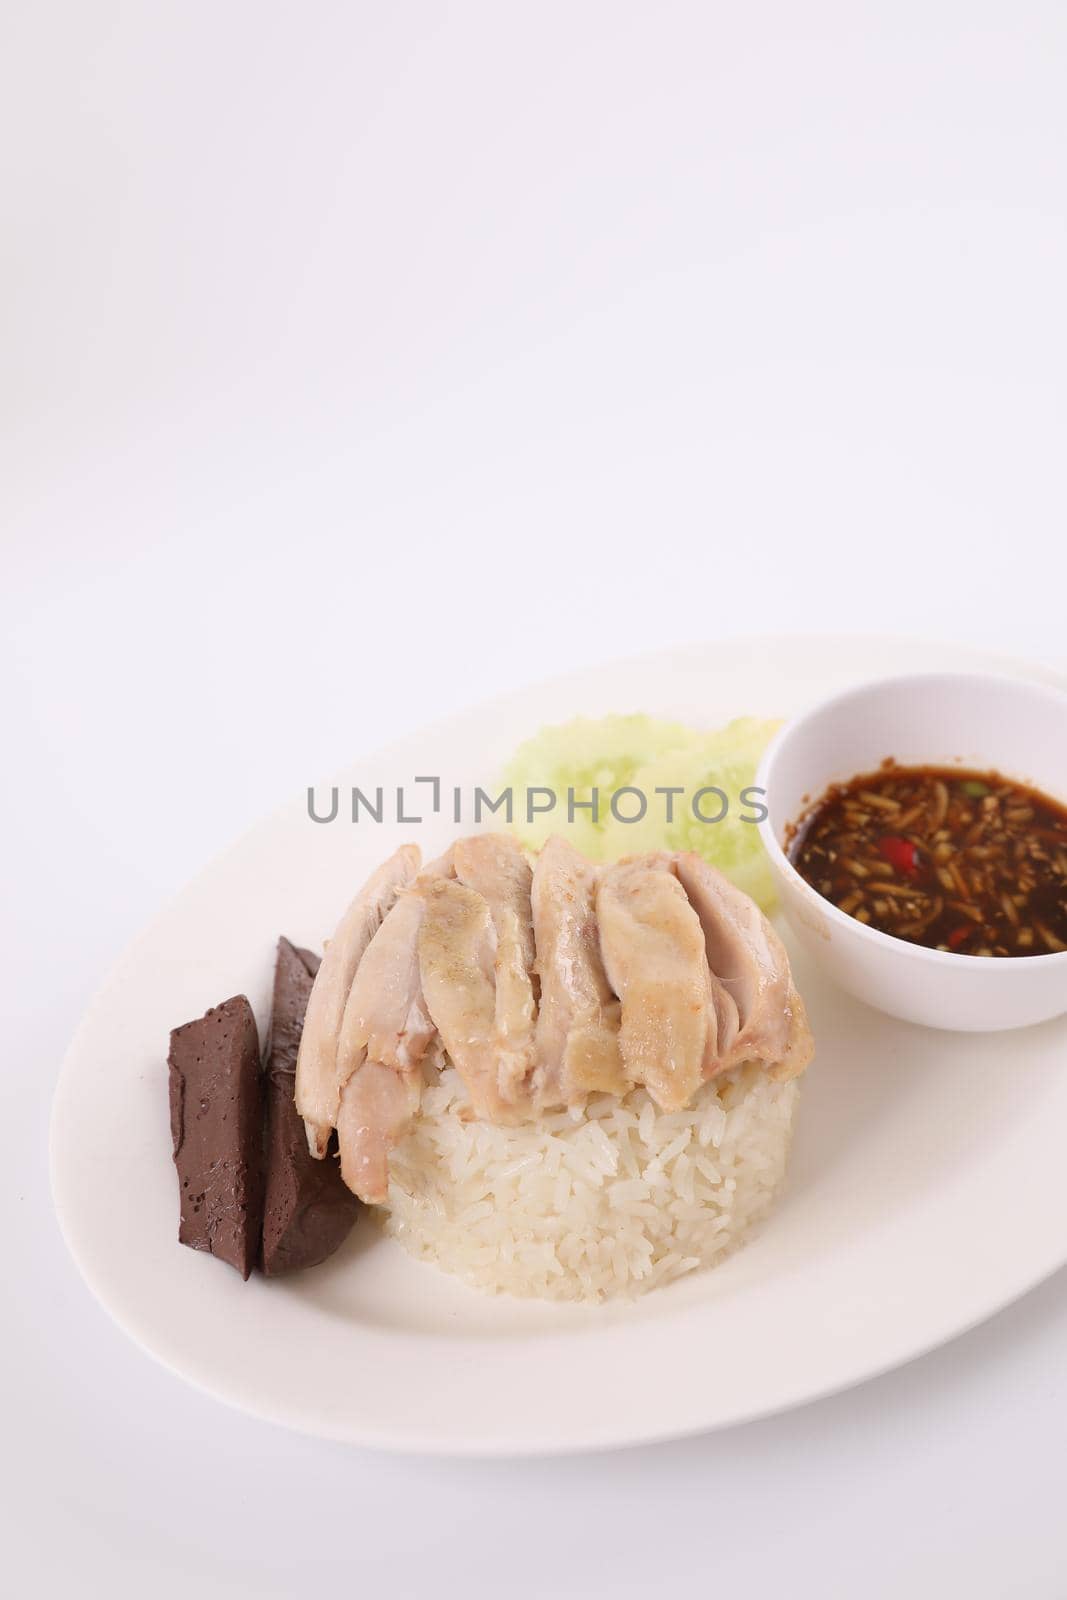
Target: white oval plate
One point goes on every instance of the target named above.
(927, 1186)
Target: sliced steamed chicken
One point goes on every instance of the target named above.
(385, 1032)
(654, 955)
(496, 867)
(457, 961)
(318, 1077)
(542, 985)
(749, 959)
(378, 1104)
(577, 1034)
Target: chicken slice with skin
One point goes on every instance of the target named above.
(577, 1033)
(385, 1031)
(722, 1021)
(747, 955)
(654, 956)
(385, 1018)
(377, 1107)
(495, 866)
(457, 961)
(318, 1084)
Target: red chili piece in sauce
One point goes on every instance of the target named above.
(900, 853)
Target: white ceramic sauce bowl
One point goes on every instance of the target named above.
(985, 723)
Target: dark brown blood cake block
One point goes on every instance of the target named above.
(216, 1123)
(308, 1210)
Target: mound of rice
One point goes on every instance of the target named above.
(612, 1203)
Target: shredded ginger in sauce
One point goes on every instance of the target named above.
(956, 860)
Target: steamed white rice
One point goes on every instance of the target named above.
(615, 1202)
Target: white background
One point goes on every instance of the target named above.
(360, 360)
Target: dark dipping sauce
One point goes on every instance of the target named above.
(962, 861)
